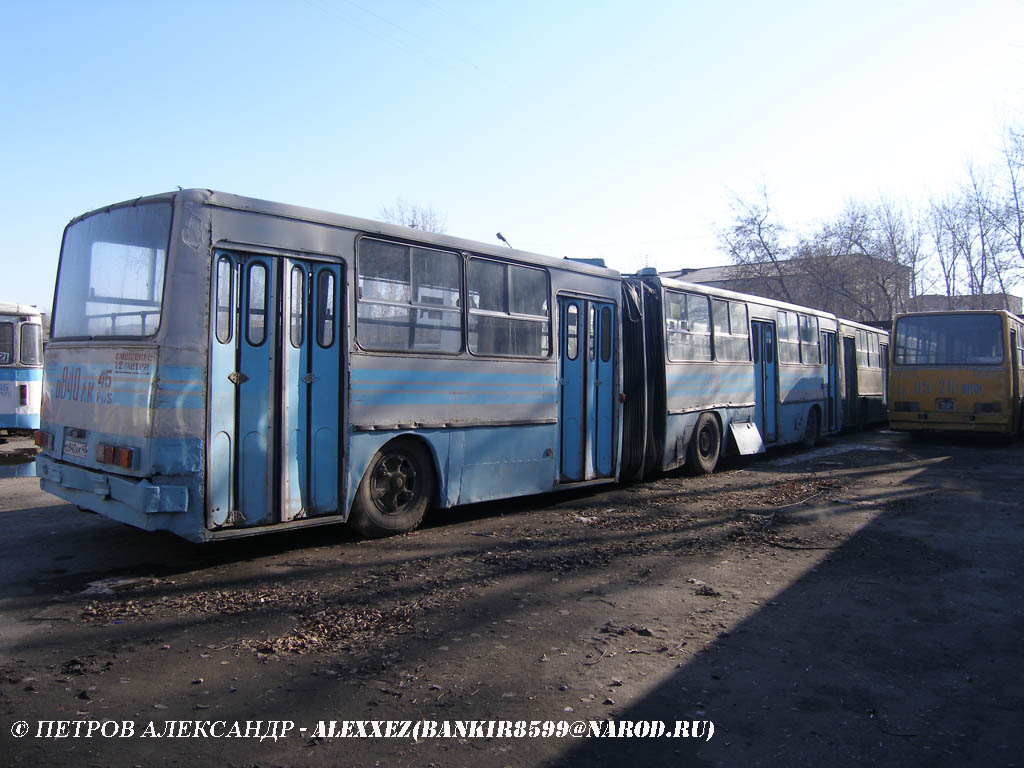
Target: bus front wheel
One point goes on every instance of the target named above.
(395, 491)
(705, 445)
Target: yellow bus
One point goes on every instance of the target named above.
(957, 371)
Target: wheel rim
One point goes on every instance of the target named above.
(394, 483)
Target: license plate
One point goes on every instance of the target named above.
(76, 449)
(945, 405)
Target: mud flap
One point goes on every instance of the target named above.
(748, 438)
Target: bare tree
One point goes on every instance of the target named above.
(947, 236)
(872, 259)
(415, 216)
(859, 265)
(1008, 207)
(754, 240)
(973, 247)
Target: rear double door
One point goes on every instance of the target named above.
(587, 383)
(275, 390)
(766, 382)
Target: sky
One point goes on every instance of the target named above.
(618, 130)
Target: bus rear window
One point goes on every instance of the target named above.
(111, 276)
(31, 344)
(954, 339)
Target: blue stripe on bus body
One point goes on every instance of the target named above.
(454, 386)
(465, 378)
(19, 420)
(703, 378)
(21, 374)
(172, 402)
(450, 398)
(696, 390)
(190, 373)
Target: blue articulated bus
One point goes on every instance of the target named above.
(221, 366)
(21, 367)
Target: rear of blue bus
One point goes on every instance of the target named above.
(123, 403)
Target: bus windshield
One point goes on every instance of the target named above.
(953, 339)
(111, 276)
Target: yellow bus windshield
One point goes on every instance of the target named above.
(953, 339)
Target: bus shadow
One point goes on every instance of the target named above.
(893, 650)
(102, 549)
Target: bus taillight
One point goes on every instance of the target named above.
(23, 394)
(115, 454)
(43, 439)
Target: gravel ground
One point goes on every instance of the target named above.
(859, 603)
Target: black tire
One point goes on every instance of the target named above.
(705, 446)
(395, 491)
(812, 430)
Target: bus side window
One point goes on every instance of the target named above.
(225, 299)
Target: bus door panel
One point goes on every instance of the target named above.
(850, 384)
(242, 361)
(573, 351)
(831, 381)
(883, 351)
(325, 389)
(295, 373)
(765, 375)
(255, 404)
(1015, 370)
(220, 490)
(604, 342)
(310, 390)
(587, 410)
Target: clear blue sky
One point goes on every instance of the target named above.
(612, 129)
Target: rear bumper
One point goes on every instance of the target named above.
(128, 500)
(935, 421)
(25, 421)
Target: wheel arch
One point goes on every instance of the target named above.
(362, 451)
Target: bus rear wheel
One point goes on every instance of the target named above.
(812, 430)
(705, 446)
(395, 491)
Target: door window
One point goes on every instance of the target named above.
(297, 303)
(606, 334)
(572, 331)
(325, 309)
(256, 312)
(225, 300)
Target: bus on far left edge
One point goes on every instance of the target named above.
(21, 367)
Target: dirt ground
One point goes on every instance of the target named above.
(856, 604)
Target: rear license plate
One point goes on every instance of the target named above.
(76, 449)
(945, 405)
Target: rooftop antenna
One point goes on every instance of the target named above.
(502, 238)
